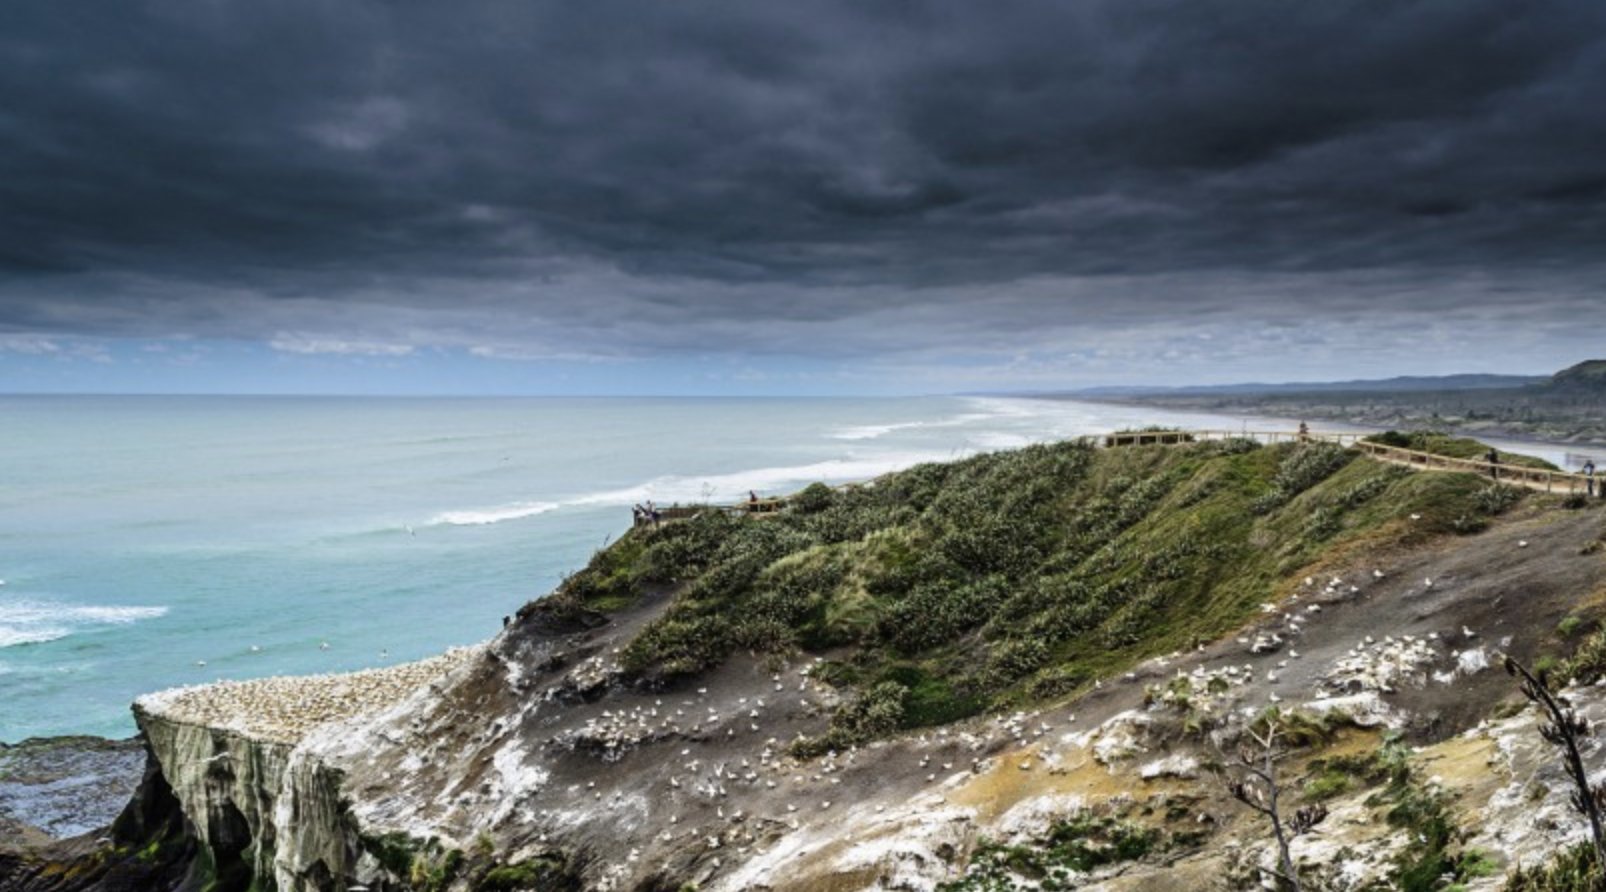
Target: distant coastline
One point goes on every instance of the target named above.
(1567, 409)
(1533, 435)
(1560, 431)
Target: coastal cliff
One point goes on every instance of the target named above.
(226, 784)
(1019, 671)
(260, 807)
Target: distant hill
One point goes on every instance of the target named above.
(1400, 384)
(1589, 375)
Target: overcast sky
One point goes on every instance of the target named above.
(818, 197)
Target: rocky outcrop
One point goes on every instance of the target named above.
(227, 784)
(148, 848)
(260, 802)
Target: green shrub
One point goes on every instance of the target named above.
(813, 499)
(433, 870)
(1328, 784)
(1304, 466)
(937, 613)
(393, 851)
(931, 700)
(1016, 659)
(875, 713)
(544, 874)
(1587, 665)
(1497, 498)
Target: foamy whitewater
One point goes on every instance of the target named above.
(148, 542)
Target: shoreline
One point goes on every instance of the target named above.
(1486, 434)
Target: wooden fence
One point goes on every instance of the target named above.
(1175, 437)
(1516, 475)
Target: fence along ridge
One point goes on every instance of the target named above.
(1531, 478)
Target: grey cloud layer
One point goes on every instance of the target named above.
(609, 176)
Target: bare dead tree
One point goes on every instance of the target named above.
(1564, 729)
(1256, 786)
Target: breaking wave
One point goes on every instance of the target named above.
(515, 511)
(34, 622)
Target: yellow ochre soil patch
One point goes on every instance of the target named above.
(1074, 772)
(1465, 764)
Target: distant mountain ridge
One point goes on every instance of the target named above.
(1567, 407)
(1398, 384)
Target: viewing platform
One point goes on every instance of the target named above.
(677, 511)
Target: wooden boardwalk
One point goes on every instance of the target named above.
(1541, 479)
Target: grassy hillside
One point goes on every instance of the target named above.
(948, 589)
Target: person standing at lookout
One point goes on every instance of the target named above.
(1494, 463)
(1304, 432)
(1589, 476)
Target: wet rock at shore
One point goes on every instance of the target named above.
(67, 786)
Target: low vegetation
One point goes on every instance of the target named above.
(546, 874)
(428, 866)
(1054, 861)
(1575, 869)
(948, 589)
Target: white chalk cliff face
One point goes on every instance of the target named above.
(534, 756)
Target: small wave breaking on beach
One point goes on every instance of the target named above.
(34, 622)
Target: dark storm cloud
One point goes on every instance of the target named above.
(605, 177)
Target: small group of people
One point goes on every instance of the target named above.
(645, 513)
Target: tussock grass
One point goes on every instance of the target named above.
(1575, 869)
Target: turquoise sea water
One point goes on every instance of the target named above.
(143, 536)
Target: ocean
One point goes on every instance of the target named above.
(148, 542)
